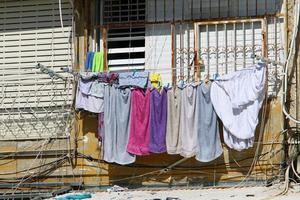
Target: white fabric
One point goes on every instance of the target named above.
(237, 99)
(86, 101)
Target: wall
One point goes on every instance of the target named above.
(230, 167)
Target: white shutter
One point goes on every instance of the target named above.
(32, 105)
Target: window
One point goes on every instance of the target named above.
(125, 44)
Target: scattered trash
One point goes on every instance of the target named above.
(172, 198)
(116, 188)
(75, 196)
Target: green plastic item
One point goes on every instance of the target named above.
(98, 62)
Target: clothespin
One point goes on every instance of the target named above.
(206, 81)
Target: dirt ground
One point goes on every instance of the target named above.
(263, 193)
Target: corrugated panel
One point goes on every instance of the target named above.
(33, 105)
(168, 10)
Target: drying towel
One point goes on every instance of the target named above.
(139, 124)
(237, 99)
(116, 125)
(189, 121)
(173, 140)
(89, 61)
(209, 145)
(158, 121)
(98, 62)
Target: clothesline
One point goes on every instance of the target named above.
(173, 120)
(54, 74)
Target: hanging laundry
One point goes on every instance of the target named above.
(237, 99)
(139, 125)
(86, 101)
(189, 120)
(89, 61)
(97, 89)
(100, 130)
(116, 125)
(98, 62)
(133, 79)
(209, 144)
(173, 140)
(155, 80)
(158, 121)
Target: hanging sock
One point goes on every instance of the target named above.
(139, 125)
(158, 121)
(209, 144)
(237, 99)
(89, 61)
(98, 62)
(173, 140)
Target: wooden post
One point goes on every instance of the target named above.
(104, 38)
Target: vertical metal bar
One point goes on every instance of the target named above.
(253, 41)
(265, 39)
(173, 54)
(244, 45)
(275, 42)
(181, 50)
(234, 30)
(197, 52)
(208, 49)
(217, 47)
(188, 50)
(226, 49)
(155, 10)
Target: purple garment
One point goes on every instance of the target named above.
(158, 121)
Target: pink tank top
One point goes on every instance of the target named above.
(139, 136)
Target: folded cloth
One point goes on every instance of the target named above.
(89, 61)
(98, 62)
(237, 99)
(136, 79)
